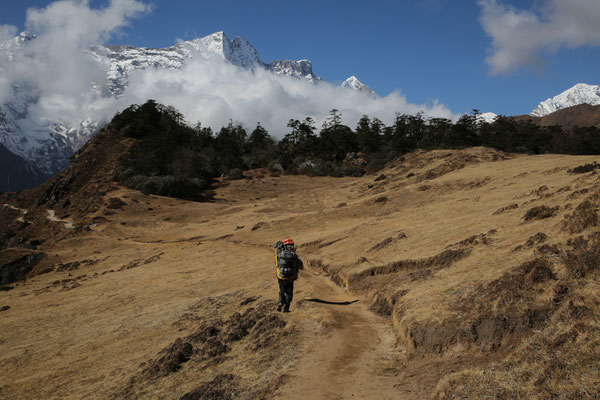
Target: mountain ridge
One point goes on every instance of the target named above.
(582, 115)
(47, 144)
(580, 93)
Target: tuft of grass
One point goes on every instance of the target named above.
(540, 212)
(222, 387)
(582, 169)
(580, 262)
(506, 208)
(584, 216)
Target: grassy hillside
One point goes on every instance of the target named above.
(476, 274)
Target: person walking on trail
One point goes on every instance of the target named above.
(287, 264)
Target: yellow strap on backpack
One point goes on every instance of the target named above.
(277, 265)
(278, 270)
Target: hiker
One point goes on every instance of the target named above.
(288, 264)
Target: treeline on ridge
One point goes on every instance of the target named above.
(171, 158)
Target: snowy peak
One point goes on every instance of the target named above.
(487, 117)
(18, 41)
(297, 69)
(238, 51)
(354, 83)
(8, 48)
(581, 93)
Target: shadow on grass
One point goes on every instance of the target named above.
(337, 303)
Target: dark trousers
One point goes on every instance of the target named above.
(286, 292)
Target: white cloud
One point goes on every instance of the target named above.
(76, 24)
(211, 91)
(55, 63)
(7, 32)
(521, 37)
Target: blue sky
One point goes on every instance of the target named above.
(425, 49)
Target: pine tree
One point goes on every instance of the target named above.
(334, 119)
(260, 147)
(368, 134)
(336, 140)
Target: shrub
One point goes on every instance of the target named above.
(582, 169)
(168, 185)
(584, 216)
(235, 174)
(506, 208)
(378, 160)
(579, 262)
(537, 270)
(276, 167)
(343, 169)
(540, 212)
(122, 174)
(150, 185)
(136, 182)
(316, 167)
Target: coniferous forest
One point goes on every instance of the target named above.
(174, 159)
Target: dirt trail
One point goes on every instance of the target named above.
(51, 217)
(22, 210)
(356, 358)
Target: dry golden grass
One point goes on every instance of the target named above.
(461, 285)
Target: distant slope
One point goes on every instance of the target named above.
(581, 93)
(578, 115)
(16, 173)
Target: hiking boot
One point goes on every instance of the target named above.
(286, 309)
(279, 307)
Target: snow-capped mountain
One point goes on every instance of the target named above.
(355, 84)
(581, 93)
(9, 47)
(487, 117)
(47, 144)
(297, 69)
(120, 60)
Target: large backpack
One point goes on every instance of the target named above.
(287, 264)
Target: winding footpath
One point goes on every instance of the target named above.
(356, 359)
(23, 211)
(51, 217)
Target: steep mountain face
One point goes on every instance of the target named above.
(297, 69)
(46, 145)
(8, 48)
(17, 174)
(581, 93)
